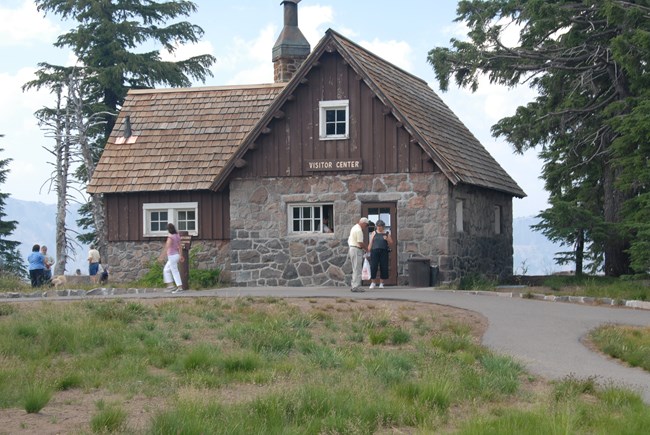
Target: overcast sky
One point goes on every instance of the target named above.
(240, 34)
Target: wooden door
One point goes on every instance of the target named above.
(387, 212)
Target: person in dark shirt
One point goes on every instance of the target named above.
(379, 245)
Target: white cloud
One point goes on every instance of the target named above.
(183, 52)
(312, 20)
(25, 25)
(396, 52)
(24, 140)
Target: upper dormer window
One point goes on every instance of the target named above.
(334, 119)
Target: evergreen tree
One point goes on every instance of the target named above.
(588, 62)
(105, 42)
(10, 258)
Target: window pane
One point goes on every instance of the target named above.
(330, 116)
(330, 129)
(306, 212)
(340, 128)
(340, 115)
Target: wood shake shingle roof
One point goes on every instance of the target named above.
(451, 145)
(182, 138)
(189, 139)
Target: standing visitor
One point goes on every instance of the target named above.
(49, 262)
(93, 263)
(36, 262)
(357, 247)
(380, 242)
(174, 253)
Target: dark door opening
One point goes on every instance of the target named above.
(387, 212)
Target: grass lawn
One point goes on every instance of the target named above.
(276, 366)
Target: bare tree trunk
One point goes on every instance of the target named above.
(85, 146)
(617, 261)
(580, 252)
(62, 153)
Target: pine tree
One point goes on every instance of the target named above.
(10, 258)
(588, 62)
(106, 41)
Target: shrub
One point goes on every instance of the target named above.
(36, 398)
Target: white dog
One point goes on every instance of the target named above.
(58, 280)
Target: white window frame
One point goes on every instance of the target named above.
(314, 222)
(172, 209)
(323, 107)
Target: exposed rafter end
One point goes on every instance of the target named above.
(253, 146)
(304, 81)
(266, 130)
(291, 97)
(279, 114)
(240, 163)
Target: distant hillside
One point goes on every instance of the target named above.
(37, 224)
(533, 251)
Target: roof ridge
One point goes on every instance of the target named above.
(338, 35)
(206, 88)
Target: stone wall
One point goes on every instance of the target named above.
(130, 261)
(264, 253)
(478, 249)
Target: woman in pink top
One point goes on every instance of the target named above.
(174, 253)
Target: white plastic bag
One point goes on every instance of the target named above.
(365, 271)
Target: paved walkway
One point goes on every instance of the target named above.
(545, 336)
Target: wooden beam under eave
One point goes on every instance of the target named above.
(304, 81)
(266, 130)
(252, 146)
(279, 114)
(291, 97)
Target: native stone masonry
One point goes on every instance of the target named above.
(264, 253)
(130, 261)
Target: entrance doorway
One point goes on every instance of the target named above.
(387, 212)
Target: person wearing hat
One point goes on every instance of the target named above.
(379, 244)
(357, 247)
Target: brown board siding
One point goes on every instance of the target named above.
(376, 136)
(124, 213)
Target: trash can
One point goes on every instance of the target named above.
(419, 272)
(433, 281)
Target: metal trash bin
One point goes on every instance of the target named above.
(433, 281)
(419, 272)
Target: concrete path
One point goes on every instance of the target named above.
(545, 336)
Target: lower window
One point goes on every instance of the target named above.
(184, 216)
(311, 218)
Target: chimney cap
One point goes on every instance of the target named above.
(290, 1)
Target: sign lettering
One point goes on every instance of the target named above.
(333, 165)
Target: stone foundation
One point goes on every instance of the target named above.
(130, 261)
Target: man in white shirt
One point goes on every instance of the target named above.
(357, 247)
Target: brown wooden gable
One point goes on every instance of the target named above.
(402, 98)
(291, 137)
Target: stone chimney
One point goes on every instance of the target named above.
(291, 48)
